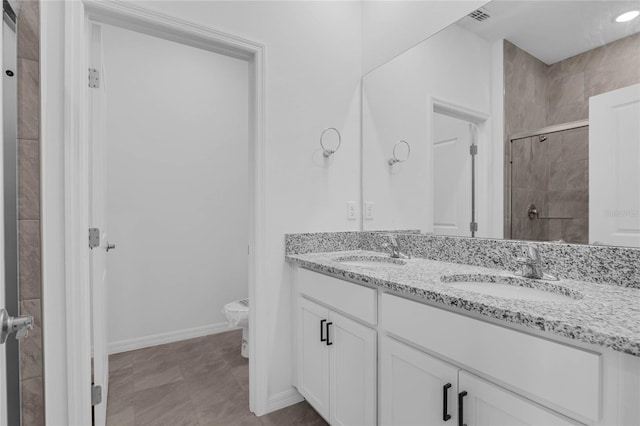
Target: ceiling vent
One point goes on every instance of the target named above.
(480, 15)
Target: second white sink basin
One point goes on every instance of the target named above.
(511, 288)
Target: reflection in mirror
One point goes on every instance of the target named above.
(554, 89)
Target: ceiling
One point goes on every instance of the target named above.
(555, 30)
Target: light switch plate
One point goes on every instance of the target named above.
(351, 210)
(368, 210)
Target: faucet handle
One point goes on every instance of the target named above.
(392, 239)
(529, 252)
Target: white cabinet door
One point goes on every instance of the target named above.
(485, 404)
(353, 372)
(614, 175)
(313, 356)
(413, 386)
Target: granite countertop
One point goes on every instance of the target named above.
(605, 315)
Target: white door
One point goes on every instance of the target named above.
(353, 369)
(415, 388)
(451, 176)
(313, 355)
(485, 404)
(614, 174)
(97, 216)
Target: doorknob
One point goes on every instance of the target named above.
(110, 246)
(19, 325)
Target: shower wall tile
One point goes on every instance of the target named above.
(29, 256)
(31, 346)
(569, 203)
(576, 230)
(568, 175)
(601, 80)
(575, 145)
(29, 259)
(555, 230)
(29, 30)
(29, 99)
(567, 113)
(28, 179)
(566, 90)
(33, 402)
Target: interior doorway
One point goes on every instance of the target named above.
(78, 17)
(459, 173)
(169, 149)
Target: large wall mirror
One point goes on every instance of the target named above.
(521, 120)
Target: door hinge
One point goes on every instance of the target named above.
(94, 238)
(96, 394)
(473, 149)
(94, 78)
(473, 226)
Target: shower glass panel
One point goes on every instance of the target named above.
(550, 187)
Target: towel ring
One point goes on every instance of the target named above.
(395, 158)
(327, 152)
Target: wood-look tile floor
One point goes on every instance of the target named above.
(203, 381)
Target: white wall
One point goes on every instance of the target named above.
(454, 66)
(313, 69)
(177, 187)
(391, 27)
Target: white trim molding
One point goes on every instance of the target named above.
(168, 337)
(284, 399)
(68, 176)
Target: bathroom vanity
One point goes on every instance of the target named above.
(412, 341)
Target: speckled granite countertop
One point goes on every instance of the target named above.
(599, 314)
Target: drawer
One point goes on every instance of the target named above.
(352, 299)
(561, 377)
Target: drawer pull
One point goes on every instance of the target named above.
(461, 395)
(322, 338)
(329, 342)
(445, 394)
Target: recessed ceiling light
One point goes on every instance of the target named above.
(628, 16)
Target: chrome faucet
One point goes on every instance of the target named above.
(531, 265)
(394, 248)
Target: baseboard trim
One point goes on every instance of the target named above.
(283, 400)
(169, 337)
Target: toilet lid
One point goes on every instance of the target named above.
(238, 306)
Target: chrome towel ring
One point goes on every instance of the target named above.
(394, 159)
(327, 152)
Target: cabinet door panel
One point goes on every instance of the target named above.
(412, 387)
(489, 405)
(353, 372)
(313, 356)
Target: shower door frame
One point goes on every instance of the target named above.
(76, 167)
(556, 128)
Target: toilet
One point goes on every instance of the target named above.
(238, 316)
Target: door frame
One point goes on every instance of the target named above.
(483, 160)
(3, 356)
(77, 15)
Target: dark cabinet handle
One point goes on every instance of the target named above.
(445, 393)
(329, 342)
(322, 339)
(461, 395)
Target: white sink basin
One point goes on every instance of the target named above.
(370, 261)
(512, 288)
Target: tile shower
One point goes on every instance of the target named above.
(551, 171)
(550, 187)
